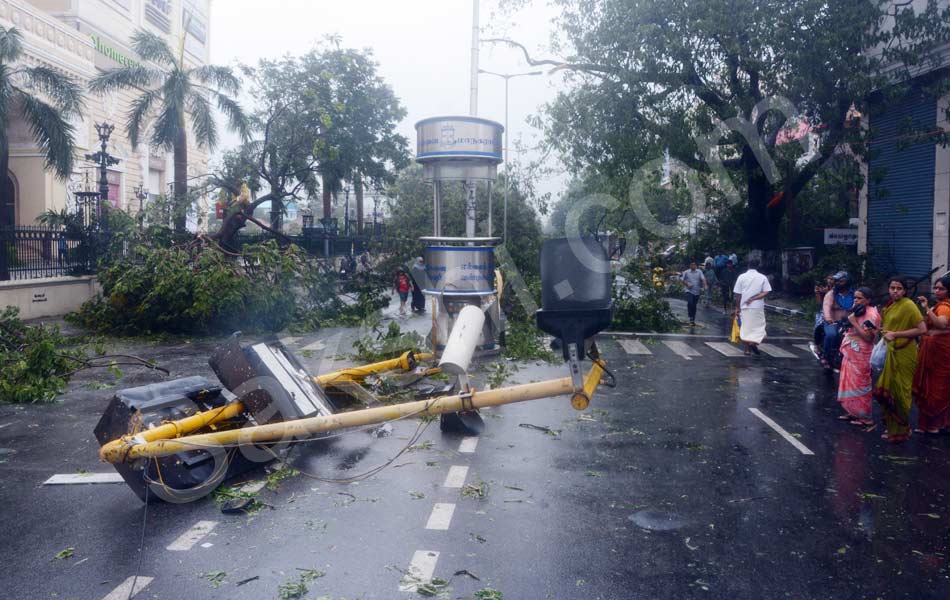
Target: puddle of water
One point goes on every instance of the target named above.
(655, 520)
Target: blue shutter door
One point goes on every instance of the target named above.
(901, 188)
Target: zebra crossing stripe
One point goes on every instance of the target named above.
(804, 347)
(775, 351)
(682, 349)
(634, 347)
(725, 348)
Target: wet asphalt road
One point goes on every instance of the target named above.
(668, 486)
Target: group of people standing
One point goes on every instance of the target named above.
(915, 370)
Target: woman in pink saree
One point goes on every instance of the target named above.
(854, 385)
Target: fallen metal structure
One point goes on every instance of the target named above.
(177, 441)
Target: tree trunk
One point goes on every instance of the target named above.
(276, 214)
(180, 202)
(762, 225)
(358, 184)
(327, 197)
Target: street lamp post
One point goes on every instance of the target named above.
(104, 160)
(141, 192)
(507, 77)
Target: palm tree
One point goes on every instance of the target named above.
(170, 90)
(46, 100)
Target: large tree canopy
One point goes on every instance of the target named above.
(715, 83)
(326, 116)
(360, 113)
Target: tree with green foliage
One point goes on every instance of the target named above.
(358, 113)
(714, 84)
(45, 98)
(172, 92)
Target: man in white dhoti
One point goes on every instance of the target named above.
(750, 291)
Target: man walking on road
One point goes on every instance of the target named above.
(751, 289)
(727, 281)
(695, 284)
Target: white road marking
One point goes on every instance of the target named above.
(690, 336)
(441, 516)
(634, 347)
(5, 425)
(468, 445)
(313, 347)
(420, 570)
(804, 347)
(456, 477)
(725, 348)
(124, 591)
(683, 349)
(77, 478)
(191, 537)
(776, 351)
(778, 428)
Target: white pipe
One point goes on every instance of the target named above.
(460, 346)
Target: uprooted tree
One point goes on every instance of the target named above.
(715, 84)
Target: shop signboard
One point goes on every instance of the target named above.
(844, 237)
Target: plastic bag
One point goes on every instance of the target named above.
(734, 336)
(878, 356)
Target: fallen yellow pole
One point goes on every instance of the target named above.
(181, 427)
(174, 429)
(130, 448)
(360, 373)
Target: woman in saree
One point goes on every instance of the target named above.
(931, 389)
(854, 385)
(903, 323)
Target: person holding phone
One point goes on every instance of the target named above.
(931, 388)
(854, 385)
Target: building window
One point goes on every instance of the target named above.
(159, 13)
(115, 188)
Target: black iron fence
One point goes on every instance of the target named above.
(31, 252)
(34, 252)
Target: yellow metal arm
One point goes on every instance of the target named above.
(130, 448)
(358, 374)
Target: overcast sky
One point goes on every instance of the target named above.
(423, 48)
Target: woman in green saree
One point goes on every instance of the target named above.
(903, 323)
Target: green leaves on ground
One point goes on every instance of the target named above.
(35, 360)
(382, 345)
(639, 304)
(215, 578)
(295, 589)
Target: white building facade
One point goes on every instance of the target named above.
(83, 38)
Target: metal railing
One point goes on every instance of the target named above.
(32, 252)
